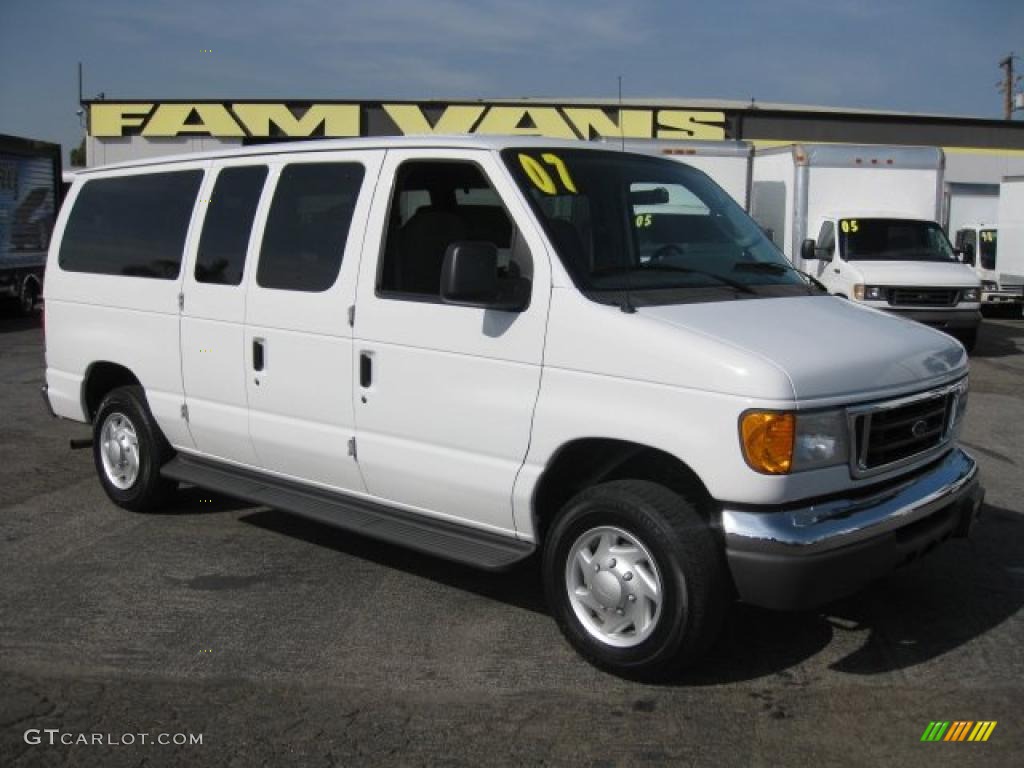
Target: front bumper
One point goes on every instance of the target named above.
(947, 319)
(798, 558)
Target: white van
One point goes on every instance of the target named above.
(471, 347)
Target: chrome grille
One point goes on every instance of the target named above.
(890, 434)
(923, 297)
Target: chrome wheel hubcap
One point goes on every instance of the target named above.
(614, 586)
(119, 451)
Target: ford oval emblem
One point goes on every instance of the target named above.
(919, 428)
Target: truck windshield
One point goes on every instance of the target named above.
(655, 228)
(893, 240)
(988, 248)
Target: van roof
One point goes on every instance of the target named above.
(464, 141)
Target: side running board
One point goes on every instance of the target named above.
(433, 537)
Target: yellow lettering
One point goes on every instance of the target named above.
(595, 123)
(684, 124)
(412, 122)
(214, 120)
(507, 121)
(540, 178)
(319, 119)
(563, 173)
(111, 119)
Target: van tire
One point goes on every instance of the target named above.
(695, 591)
(129, 449)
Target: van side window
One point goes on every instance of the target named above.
(435, 204)
(131, 225)
(307, 226)
(228, 224)
(826, 244)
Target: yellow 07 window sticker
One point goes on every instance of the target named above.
(848, 225)
(542, 179)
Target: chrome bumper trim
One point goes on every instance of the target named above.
(840, 522)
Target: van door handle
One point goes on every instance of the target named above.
(257, 354)
(365, 370)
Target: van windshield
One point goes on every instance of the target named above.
(660, 230)
(893, 240)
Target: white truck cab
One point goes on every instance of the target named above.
(487, 348)
(897, 262)
(977, 246)
(862, 219)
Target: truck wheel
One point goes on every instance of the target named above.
(27, 297)
(969, 339)
(635, 579)
(129, 449)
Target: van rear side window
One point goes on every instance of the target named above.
(228, 223)
(307, 226)
(131, 225)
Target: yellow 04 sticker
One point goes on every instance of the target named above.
(848, 225)
(541, 178)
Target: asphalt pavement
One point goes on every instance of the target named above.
(283, 642)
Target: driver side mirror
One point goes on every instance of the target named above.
(968, 253)
(808, 250)
(469, 278)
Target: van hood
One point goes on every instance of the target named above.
(916, 273)
(827, 346)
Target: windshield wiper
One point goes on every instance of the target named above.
(682, 270)
(777, 268)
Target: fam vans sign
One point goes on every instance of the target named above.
(262, 119)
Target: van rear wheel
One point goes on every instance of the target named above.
(129, 449)
(635, 579)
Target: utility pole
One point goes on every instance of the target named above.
(1008, 84)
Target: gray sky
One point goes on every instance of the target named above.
(911, 55)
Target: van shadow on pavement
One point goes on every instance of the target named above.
(521, 586)
(948, 598)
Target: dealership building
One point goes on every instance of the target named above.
(978, 152)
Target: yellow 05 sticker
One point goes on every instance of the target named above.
(988, 236)
(542, 179)
(642, 220)
(848, 226)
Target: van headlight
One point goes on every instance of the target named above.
(970, 294)
(989, 285)
(863, 292)
(781, 442)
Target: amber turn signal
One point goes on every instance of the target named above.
(768, 438)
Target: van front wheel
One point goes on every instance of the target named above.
(635, 579)
(129, 449)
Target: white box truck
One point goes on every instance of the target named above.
(977, 245)
(1003, 267)
(728, 163)
(968, 204)
(864, 220)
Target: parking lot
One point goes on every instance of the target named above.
(285, 642)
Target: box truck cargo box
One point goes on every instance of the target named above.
(728, 163)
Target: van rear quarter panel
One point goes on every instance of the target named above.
(129, 321)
